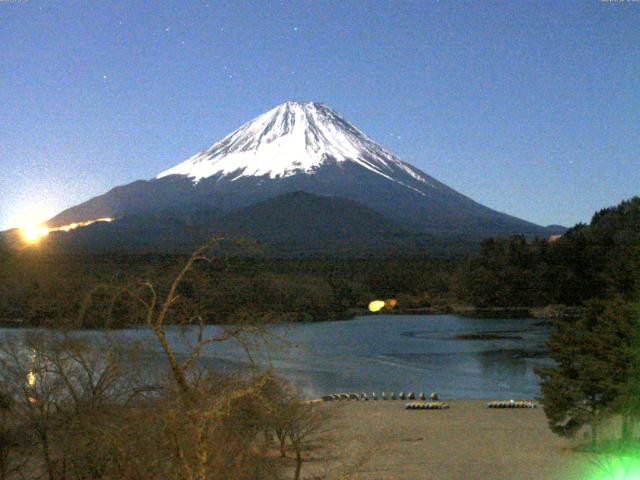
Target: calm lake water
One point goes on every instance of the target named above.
(420, 353)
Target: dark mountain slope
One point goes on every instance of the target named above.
(292, 224)
(305, 147)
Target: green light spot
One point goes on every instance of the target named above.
(616, 467)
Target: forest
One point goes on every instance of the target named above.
(595, 260)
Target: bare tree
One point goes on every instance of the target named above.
(208, 429)
(94, 412)
(63, 390)
(10, 440)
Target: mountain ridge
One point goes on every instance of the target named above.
(308, 147)
(292, 224)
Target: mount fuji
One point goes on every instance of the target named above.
(300, 147)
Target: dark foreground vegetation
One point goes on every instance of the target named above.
(90, 414)
(595, 381)
(597, 371)
(596, 260)
(589, 261)
(72, 408)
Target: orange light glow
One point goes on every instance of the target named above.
(376, 305)
(72, 226)
(33, 233)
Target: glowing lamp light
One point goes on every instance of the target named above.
(376, 305)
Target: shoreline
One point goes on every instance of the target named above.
(398, 401)
(465, 441)
(545, 314)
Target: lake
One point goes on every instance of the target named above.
(419, 353)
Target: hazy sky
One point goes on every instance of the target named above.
(531, 108)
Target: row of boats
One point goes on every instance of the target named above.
(383, 396)
(421, 402)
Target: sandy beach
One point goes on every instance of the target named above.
(381, 440)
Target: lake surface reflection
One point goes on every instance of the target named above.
(417, 353)
(397, 353)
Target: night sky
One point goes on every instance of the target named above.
(531, 108)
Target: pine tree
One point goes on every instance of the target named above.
(627, 403)
(594, 360)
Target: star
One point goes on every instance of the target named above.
(295, 29)
(104, 77)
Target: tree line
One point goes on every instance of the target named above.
(41, 289)
(78, 407)
(595, 378)
(588, 261)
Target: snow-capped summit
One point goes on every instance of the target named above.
(294, 137)
(301, 147)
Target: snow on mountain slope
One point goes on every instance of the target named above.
(302, 147)
(290, 139)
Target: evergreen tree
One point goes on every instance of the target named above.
(627, 403)
(594, 360)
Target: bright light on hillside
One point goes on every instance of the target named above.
(33, 233)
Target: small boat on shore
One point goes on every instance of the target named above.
(511, 404)
(426, 406)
